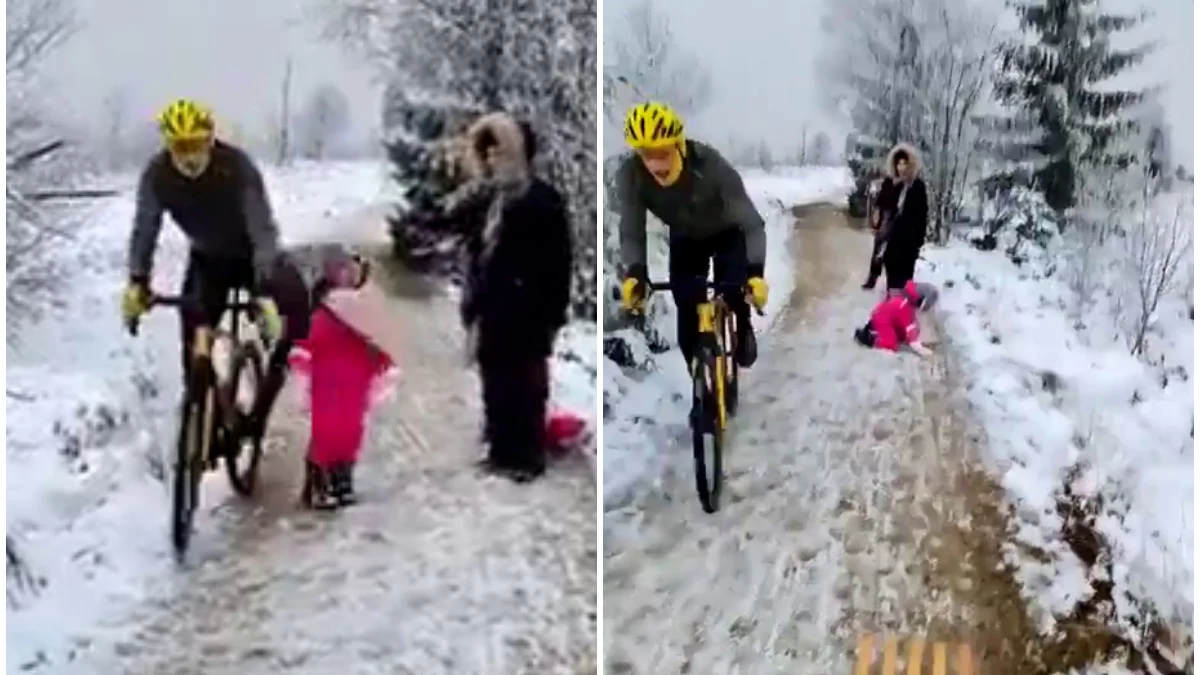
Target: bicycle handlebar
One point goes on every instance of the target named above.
(187, 302)
(654, 286)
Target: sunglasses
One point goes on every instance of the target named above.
(656, 154)
(190, 146)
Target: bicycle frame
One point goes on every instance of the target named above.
(709, 314)
(203, 340)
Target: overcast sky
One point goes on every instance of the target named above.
(763, 54)
(228, 53)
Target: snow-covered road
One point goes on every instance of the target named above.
(439, 569)
(855, 506)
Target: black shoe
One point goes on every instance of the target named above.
(864, 337)
(318, 489)
(869, 285)
(341, 484)
(517, 473)
(746, 350)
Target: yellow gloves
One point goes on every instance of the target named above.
(268, 319)
(135, 301)
(633, 294)
(758, 292)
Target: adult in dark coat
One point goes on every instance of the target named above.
(517, 292)
(903, 205)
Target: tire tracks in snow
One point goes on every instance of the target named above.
(855, 505)
(439, 569)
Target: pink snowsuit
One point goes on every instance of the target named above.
(894, 320)
(344, 368)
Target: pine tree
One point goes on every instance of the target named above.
(425, 235)
(1063, 116)
(535, 60)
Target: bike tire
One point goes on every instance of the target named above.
(183, 496)
(247, 357)
(706, 429)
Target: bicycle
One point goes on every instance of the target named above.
(714, 386)
(211, 414)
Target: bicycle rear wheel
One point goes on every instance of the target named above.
(244, 453)
(707, 437)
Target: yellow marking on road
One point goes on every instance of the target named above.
(866, 652)
(889, 655)
(914, 661)
(939, 658)
(916, 649)
(964, 660)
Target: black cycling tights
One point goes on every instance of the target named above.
(689, 260)
(210, 279)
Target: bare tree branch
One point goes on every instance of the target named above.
(33, 28)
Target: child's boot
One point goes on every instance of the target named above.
(318, 492)
(342, 484)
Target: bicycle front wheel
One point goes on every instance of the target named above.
(244, 452)
(707, 436)
(187, 472)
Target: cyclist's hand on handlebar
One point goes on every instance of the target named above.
(633, 294)
(135, 301)
(268, 314)
(757, 287)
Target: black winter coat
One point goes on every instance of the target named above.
(904, 232)
(519, 294)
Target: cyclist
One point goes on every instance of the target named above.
(215, 194)
(691, 188)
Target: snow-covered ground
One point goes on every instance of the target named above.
(648, 411)
(90, 413)
(1068, 405)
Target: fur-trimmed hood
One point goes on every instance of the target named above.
(914, 158)
(503, 133)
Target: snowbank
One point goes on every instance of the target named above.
(646, 407)
(90, 415)
(1068, 407)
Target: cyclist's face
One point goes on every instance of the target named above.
(658, 160)
(191, 156)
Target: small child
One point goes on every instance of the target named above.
(348, 356)
(893, 322)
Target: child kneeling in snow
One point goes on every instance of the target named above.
(893, 322)
(349, 358)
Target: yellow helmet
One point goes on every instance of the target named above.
(183, 119)
(652, 125)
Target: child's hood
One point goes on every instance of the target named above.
(366, 310)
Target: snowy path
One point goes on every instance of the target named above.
(854, 506)
(438, 570)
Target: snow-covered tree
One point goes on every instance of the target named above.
(1157, 246)
(1066, 111)
(916, 72)
(649, 64)
(34, 153)
(536, 60)
(872, 72)
(324, 117)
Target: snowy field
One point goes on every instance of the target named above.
(648, 410)
(1069, 406)
(91, 411)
